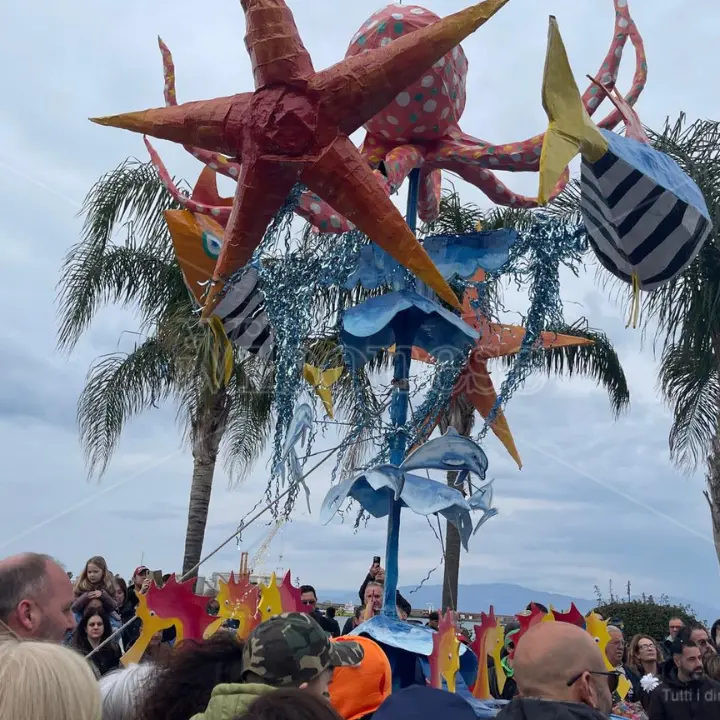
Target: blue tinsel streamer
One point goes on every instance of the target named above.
(535, 262)
(292, 282)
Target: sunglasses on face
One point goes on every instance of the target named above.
(309, 602)
(613, 678)
(144, 572)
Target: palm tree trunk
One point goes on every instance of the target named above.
(452, 560)
(461, 416)
(712, 493)
(207, 431)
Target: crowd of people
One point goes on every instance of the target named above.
(297, 666)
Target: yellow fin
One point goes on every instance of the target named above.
(322, 382)
(570, 131)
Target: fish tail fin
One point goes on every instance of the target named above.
(570, 130)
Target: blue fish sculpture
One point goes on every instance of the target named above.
(375, 489)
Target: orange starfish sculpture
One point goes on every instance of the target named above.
(496, 340)
(295, 127)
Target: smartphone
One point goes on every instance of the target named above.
(157, 576)
(376, 560)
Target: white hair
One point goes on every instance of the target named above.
(122, 689)
(44, 680)
(614, 628)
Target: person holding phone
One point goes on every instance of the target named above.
(376, 574)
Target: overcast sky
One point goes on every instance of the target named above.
(596, 499)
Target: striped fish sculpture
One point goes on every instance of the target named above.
(646, 219)
(197, 240)
(242, 313)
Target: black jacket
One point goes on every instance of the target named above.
(402, 603)
(324, 622)
(509, 690)
(676, 700)
(534, 709)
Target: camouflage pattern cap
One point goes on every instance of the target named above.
(292, 649)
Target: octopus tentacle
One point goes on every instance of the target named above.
(429, 195)
(497, 191)
(215, 161)
(218, 212)
(525, 155)
(639, 79)
(400, 162)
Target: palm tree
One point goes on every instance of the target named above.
(685, 315)
(175, 359)
(598, 361)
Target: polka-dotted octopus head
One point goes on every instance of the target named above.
(431, 107)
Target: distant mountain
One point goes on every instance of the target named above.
(506, 598)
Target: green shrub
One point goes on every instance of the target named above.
(642, 614)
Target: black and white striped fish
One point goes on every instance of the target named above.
(643, 214)
(243, 315)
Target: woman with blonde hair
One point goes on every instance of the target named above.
(43, 680)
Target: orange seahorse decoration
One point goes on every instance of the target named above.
(445, 657)
(488, 641)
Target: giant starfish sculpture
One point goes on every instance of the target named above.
(296, 127)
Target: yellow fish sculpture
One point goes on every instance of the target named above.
(322, 381)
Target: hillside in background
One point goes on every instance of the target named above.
(506, 598)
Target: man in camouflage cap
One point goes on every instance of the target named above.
(292, 650)
(289, 650)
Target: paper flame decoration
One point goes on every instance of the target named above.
(572, 616)
(176, 604)
(592, 623)
(173, 604)
(278, 599)
(445, 657)
(238, 600)
(488, 641)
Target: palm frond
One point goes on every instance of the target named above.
(689, 383)
(120, 386)
(356, 401)
(96, 270)
(250, 419)
(567, 204)
(128, 275)
(598, 361)
(455, 217)
(133, 192)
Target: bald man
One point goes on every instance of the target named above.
(561, 675)
(36, 598)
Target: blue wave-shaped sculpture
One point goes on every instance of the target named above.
(453, 255)
(404, 318)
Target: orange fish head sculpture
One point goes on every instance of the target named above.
(445, 657)
(239, 600)
(488, 642)
(151, 624)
